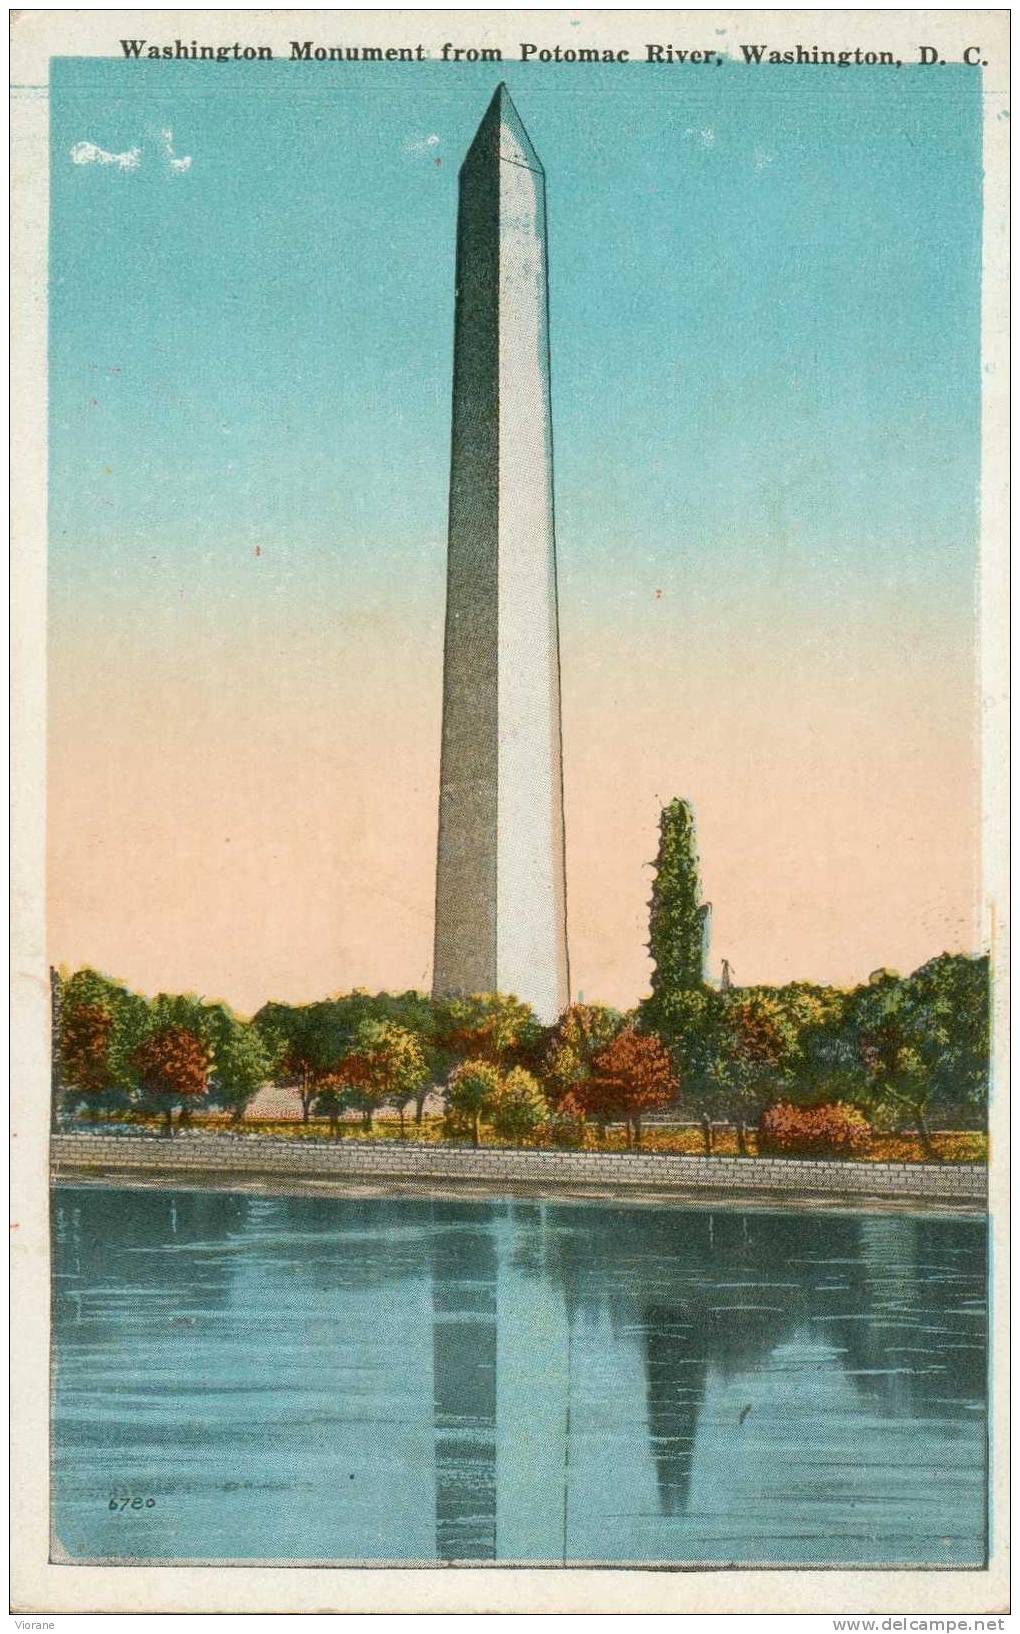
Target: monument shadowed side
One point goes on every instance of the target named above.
(465, 934)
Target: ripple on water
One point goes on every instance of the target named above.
(316, 1378)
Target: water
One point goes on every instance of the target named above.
(380, 1379)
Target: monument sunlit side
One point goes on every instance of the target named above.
(500, 874)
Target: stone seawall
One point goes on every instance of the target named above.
(258, 1158)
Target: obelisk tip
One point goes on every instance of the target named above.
(501, 134)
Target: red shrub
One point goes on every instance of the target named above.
(831, 1130)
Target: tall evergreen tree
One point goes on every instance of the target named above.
(678, 921)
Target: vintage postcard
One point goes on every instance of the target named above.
(510, 916)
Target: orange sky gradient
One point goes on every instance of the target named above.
(249, 811)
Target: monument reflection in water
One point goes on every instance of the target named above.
(353, 1378)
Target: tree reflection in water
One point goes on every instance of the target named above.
(565, 1338)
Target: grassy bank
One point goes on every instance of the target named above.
(952, 1146)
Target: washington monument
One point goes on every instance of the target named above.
(500, 876)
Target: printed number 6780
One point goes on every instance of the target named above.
(120, 1504)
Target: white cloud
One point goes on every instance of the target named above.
(89, 153)
(184, 163)
(421, 144)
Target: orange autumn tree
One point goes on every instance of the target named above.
(633, 1075)
(494, 1027)
(339, 1088)
(173, 1069)
(85, 1033)
(98, 1024)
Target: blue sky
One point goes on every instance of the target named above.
(764, 305)
(765, 308)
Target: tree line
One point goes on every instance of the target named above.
(893, 1050)
(900, 1049)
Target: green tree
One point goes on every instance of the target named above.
(888, 1051)
(329, 1104)
(309, 1040)
(828, 1067)
(676, 927)
(416, 1013)
(949, 1001)
(394, 1067)
(314, 1038)
(518, 1107)
(754, 1065)
(470, 1094)
(243, 1061)
(923, 1041)
(346, 1015)
(692, 1024)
